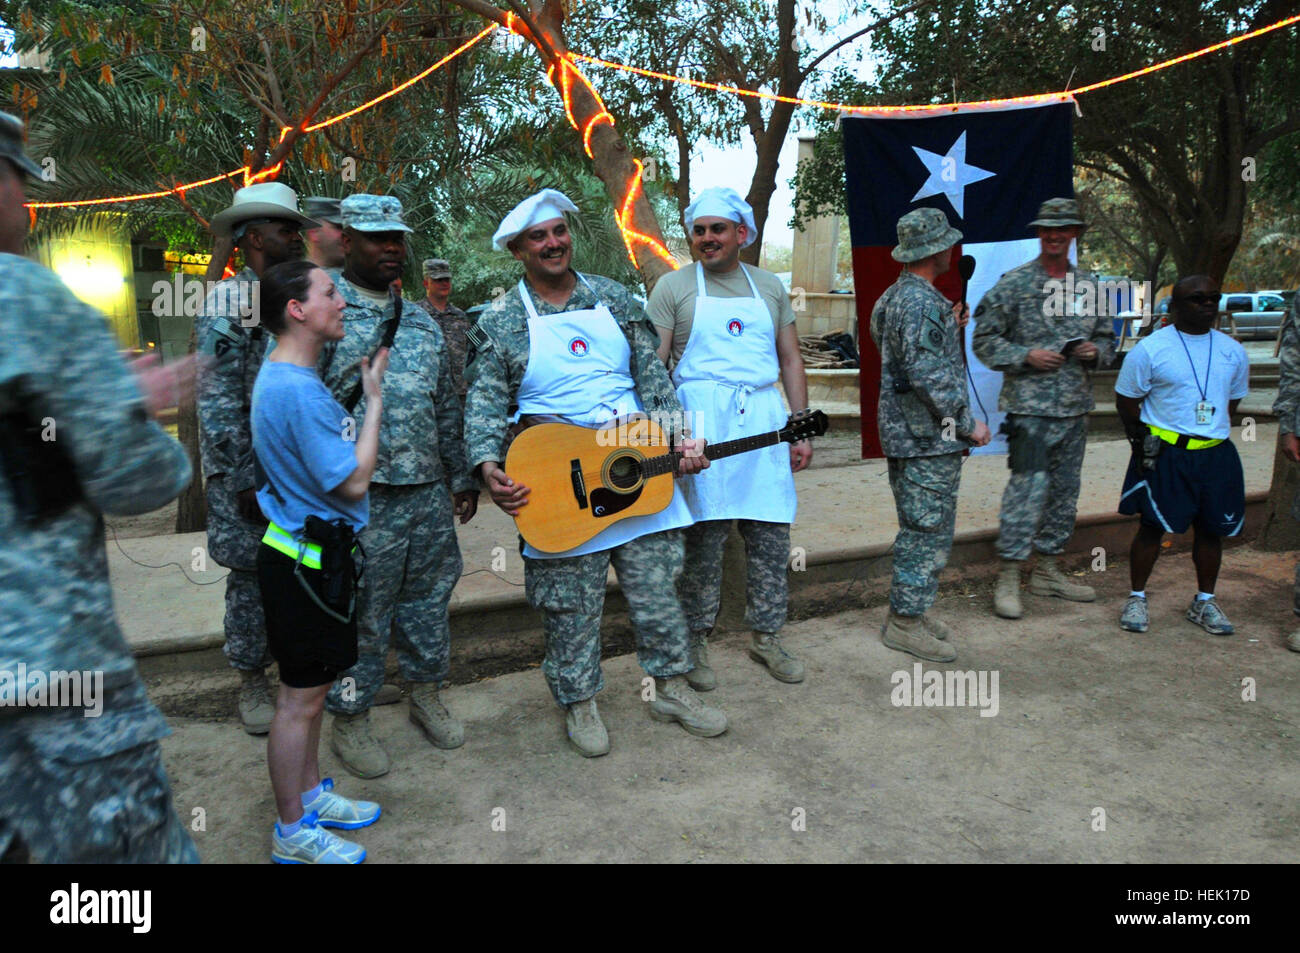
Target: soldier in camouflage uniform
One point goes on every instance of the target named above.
(413, 560)
(925, 423)
(454, 322)
(1287, 409)
(75, 786)
(1044, 325)
(325, 241)
(580, 347)
(265, 222)
(730, 332)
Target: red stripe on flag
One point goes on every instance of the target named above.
(874, 270)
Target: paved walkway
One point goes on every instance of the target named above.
(844, 504)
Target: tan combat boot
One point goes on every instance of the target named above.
(936, 627)
(255, 706)
(767, 648)
(356, 747)
(702, 678)
(586, 731)
(675, 700)
(1048, 580)
(1293, 641)
(430, 715)
(1006, 597)
(908, 634)
(387, 695)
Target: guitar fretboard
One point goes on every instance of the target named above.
(667, 463)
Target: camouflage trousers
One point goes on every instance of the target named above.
(413, 563)
(767, 589)
(232, 542)
(67, 810)
(245, 624)
(570, 591)
(925, 496)
(1038, 505)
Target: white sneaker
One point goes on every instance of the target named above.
(312, 844)
(334, 810)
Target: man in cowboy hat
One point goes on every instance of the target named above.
(925, 424)
(325, 241)
(581, 348)
(730, 332)
(454, 322)
(80, 783)
(413, 560)
(1044, 325)
(265, 223)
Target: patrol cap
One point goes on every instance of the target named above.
(322, 208)
(923, 232)
(373, 213)
(719, 202)
(1058, 213)
(11, 145)
(437, 268)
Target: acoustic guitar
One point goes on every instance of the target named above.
(583, 480)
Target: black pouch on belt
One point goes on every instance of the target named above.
(338, 571)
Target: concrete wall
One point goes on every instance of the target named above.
(94, 261)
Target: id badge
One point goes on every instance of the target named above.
(1204, 413)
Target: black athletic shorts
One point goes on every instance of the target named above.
(310, 646)
(1205, 486)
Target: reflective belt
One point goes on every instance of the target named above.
(1184, 441)
(283, 542)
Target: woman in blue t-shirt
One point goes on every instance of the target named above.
(313, 475)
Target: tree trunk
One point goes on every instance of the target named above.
(1280, 530)
(191, 505)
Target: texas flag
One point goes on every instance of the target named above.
(988, 171)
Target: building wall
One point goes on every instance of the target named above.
(94, 261)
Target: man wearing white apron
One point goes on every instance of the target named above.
(579, 347)
(730, 332)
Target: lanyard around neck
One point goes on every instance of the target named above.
(1208, 359)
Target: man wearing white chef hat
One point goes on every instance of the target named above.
(728, 332)
(580, 347)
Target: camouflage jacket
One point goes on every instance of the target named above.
(1023, 312)
(56, 606)
(420, 434)
(1287, 406)
(225, 391)
(455, 324)
(912, 326)
(498, 358)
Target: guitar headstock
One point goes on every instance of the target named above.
(812, 424)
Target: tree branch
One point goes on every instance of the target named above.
(807, 70)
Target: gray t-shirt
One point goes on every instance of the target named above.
(672, 303)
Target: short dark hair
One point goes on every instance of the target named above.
(280, 284)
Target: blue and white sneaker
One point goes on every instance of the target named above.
(312, 844)
(334, 810)
(1133, 618)
(1209, 617)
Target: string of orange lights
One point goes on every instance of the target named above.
(634, 187)
(974, 104)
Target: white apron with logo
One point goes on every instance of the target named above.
(578, 370)
(726, 380)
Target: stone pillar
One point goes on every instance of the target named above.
(814, 252)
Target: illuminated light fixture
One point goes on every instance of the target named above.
(97, 282)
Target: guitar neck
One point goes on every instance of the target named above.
(714, 451)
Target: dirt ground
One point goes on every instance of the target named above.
(1150, 733)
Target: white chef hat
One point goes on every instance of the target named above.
(541, 207)
(722, 203)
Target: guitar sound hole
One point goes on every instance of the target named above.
(624, 472)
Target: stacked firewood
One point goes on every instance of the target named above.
(828, 351)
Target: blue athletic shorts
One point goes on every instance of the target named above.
(1205, 486)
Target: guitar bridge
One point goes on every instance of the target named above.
(579, 485)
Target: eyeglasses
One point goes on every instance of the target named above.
(1200, 299)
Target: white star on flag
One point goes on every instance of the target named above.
(949, 174)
